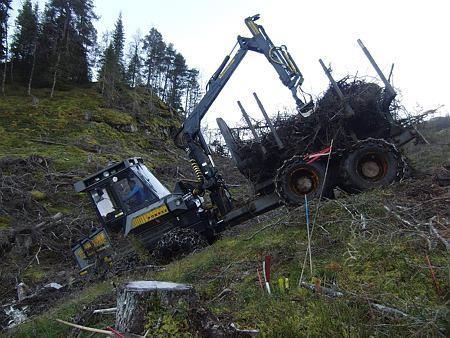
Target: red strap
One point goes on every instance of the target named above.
(117, 333)
(310, 158)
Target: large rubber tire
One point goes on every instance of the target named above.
(372, 163)
(178, 243)
(296, 178)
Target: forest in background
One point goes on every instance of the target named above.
(57, 47)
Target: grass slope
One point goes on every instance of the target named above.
(358, 246)
(373, 258)
(82, 131)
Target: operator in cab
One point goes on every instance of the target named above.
(136, 195)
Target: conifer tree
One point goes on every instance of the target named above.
(118, 43)
(135, 64)
(165, 68)
(5, 7)
(24, 43)
(109, 74)
(192, 93)
(85, 39)
(65, 41)
(154, 49)
(177, 81)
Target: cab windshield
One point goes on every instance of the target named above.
(133, 193)
(151, 181)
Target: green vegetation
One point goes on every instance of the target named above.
(6, 221)
(46, 326)
(76, 131)
(437, 133)
(372, 260)
(358, 246)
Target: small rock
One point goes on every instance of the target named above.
(87, 115)
(16, 316)
(34, 101)
(23, 241)
(53, 285)
(22, 291)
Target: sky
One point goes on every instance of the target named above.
(414, 35)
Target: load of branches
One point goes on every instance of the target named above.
(300, 134)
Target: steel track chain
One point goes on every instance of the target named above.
(178, 242)
(279, 177)
(390, 147)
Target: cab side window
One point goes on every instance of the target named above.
(105, 205)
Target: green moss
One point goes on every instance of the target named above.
(382, 262)
(162, 322)
(34, 274)
(6, 221)
(112, 117)
(38, 195)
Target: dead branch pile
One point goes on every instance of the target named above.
(35, 237)
(26, 187)
(309, 134)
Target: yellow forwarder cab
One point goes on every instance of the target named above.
(129, 199)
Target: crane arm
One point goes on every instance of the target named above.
(190, 137)
(260, 42)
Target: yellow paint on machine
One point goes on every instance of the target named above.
(97, 241)
(149, 216)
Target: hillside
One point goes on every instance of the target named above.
(48, 144)
(376, 247)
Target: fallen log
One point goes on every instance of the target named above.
(111, 310)
(135, 300)
(322, 289)
(85, 328)
(435, 232)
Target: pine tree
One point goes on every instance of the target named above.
(85, 40)
(66, 37)
(177, 81)
(24, 44)
(135, 64)
(154, 48)
(109, 74)
(192, 93)
(112, 71)
(118, 43)
(5, 6)
(165, 68)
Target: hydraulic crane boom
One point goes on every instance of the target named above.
(190, 137)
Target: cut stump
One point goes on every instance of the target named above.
(135, 300)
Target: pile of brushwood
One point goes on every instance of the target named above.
(40, 219)
(301, 135)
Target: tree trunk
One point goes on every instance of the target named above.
(135, 300)
(66, 36)
(11, 69)
(55, 74)
(6, 59)
(30, 80)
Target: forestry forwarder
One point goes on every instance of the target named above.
(127, 197)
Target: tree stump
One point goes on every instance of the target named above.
(135, 300)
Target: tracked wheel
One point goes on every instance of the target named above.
(296, 178)
(178, 243)
(370, 164)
